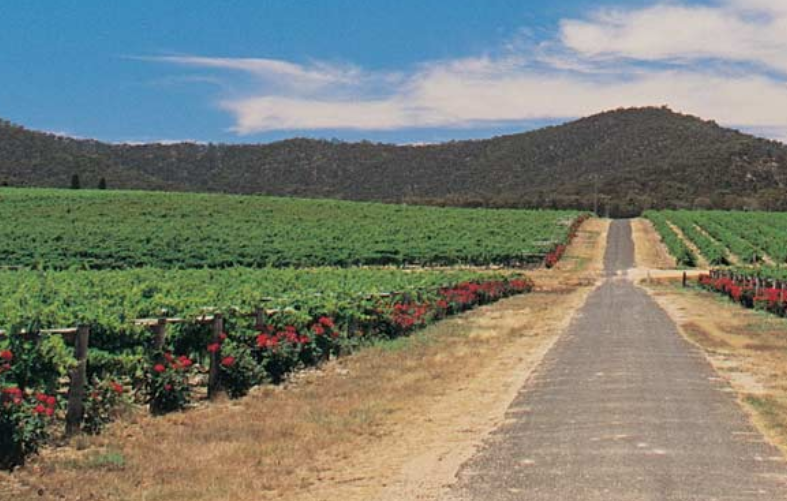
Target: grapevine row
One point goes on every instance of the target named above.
(676, 246)
(761, 288)
(724, 237)
(230, 354)
(117, 230)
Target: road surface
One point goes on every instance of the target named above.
(624, 409)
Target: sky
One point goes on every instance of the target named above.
(405, 71)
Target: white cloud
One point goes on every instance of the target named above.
(726, 61)
(448, 99)
(304, 78)
(740, 31)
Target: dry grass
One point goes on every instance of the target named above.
(392, 418)
(649, 251)
(749, 348)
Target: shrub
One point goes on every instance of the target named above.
(102, 405)
(23, 424)
(239, 370)
(168, 384)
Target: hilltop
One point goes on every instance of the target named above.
(633, 158)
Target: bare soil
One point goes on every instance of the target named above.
(649, 251)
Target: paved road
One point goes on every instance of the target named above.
(623, 408)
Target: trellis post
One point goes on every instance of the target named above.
(214, 374)
(78, 379)
(159, 333)
(260, 318)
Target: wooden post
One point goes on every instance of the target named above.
(214, 376)
(159, 333)
(78, 377)
(260, 318)
(685, 279)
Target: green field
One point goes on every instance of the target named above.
(724, 238)
(61, 229)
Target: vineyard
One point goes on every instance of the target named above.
(112, 299)
(746, 250)
(147, 354)
(722, 238)
(101, 230)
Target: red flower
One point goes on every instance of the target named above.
(223, 336)
(51, 401)
(185, 362)
(50, 411)
(318, 329)
(228, 361)
(159, 368)
(167, 387)
(41, 397)
(327, 322)
(214, 347)
(40, 409)
(168, 357)
(266, 341)
(14, 394)
(116, 387)
(7, 355)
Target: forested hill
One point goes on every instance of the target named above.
(633, 159)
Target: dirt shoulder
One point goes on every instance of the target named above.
(391, 422)
(649, 251)
(653, 261)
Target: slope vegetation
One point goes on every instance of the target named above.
(633, 159)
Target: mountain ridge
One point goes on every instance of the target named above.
(634, 158)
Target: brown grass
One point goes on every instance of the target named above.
(649, 251)
(384, 423)
(749, 348)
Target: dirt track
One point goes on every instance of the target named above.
(623, 408)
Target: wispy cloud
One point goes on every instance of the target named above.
(726, 61)
(739, 31)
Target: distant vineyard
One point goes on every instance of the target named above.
(723, 238)
(109, 230)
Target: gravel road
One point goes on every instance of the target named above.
(623, 408)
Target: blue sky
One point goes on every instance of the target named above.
(404, 71)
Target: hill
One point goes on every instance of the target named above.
(633, 158)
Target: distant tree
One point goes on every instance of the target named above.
(75, 184)
(702, 203)
(102, 184)
(772, 199)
